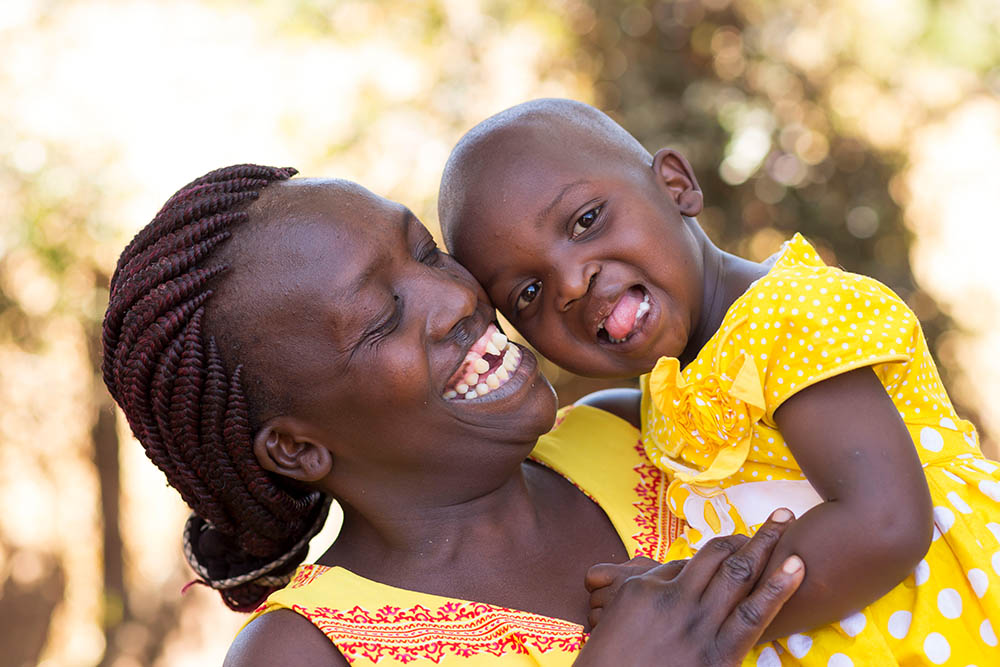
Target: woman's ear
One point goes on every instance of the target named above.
(676, 174)
(280, 448)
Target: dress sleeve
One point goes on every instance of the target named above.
(808, 323)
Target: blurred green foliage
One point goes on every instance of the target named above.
(794, 115)
(797, 116)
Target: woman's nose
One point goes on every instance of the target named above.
(449, 301)
(571, 285)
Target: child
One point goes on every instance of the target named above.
(782, 383)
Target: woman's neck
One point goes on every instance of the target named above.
(433, 529)
(526, 544)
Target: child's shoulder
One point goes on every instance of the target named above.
(805, 321)
(801, 285)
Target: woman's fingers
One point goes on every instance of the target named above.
(707, 611)
(603, 575)
(669, 570)
(603, 596)
(738, 573)
(600, 576)
(751, 616)
(604, 580)
(704, 565)
(673, 599)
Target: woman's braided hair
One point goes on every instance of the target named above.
(250, 529)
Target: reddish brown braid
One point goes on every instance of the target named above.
(190, 415)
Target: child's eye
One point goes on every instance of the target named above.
(527, 295)
(584, 222)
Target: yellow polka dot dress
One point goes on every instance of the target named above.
(711, 428)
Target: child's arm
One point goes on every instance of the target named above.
(876, 521)
(623, 402)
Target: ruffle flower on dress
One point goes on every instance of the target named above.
(713, 415)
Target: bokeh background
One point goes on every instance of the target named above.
(873, 126)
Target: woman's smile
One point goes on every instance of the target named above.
(487, 365)
(507, 375)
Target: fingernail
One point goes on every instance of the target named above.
(791, 565)
(781, 515)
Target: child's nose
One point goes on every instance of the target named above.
(575, 284)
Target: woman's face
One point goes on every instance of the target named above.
(354, 310)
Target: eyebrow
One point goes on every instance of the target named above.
(540, 218)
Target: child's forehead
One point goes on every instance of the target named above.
(524, 156)
(523, 191)
(541, 157)
(543, 136)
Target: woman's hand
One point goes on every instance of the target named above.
(605, 579)
(709, 611)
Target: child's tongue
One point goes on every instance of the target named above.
(621, 320)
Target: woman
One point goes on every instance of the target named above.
(275, 343)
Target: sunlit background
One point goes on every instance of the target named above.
(873, 126)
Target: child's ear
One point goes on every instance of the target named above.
(677, 176)
(280, 448)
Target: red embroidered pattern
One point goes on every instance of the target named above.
(305, 575)
(658, 526)
(456, 628)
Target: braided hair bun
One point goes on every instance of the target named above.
(242, 580)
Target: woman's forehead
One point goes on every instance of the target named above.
(334, 217)
(318, 199)
(333, 227)
(325, 246)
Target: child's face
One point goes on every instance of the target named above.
(586, 251)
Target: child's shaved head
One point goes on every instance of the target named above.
(583, 240)
(514, 133)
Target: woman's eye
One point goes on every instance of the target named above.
(389, 324)
(527, 295)
(431, 255)
(584, 222)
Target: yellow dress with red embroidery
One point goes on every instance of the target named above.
(371, 622)
(711, 427)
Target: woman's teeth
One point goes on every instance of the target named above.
(477, 375)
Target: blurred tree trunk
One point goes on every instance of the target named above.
(27, 604)
(104, 437)
(139, 637)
